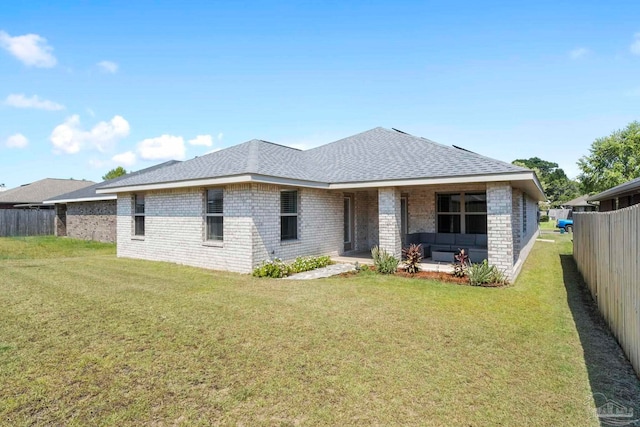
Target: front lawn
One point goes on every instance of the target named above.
(88, 339)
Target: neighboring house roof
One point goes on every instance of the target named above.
(39, 191)
(89, 193)
(627, 187)
(370, 158)
(579, 201)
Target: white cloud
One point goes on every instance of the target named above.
(97, 163)
(31, 49)
(70, 138)
(17, 141)
(128, 158)
(220, 136)
(579, 52)
(108, 66)
(21, 101)
(635, 46)
(165, 147)
(205, 140)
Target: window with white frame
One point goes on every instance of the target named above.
(288, 215)
(138, 215)
(464, 213)
(214, 214)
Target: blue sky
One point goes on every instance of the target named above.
(87, 86)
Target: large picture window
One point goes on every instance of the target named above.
(288, 215)
(138, 215)
(462, 213)
(214, 214)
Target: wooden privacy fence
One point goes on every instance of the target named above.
(606, 247)
(26, 222)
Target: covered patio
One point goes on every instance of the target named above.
(500, 212)
(364, 258)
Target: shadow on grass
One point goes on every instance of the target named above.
(611, 376)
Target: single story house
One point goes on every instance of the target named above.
(85, 214)
(580, 204)
(237, 207)
(35, 194)
(618, 197)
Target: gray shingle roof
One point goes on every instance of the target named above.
(578, 201)
(382, 154)
(90, 191)
(375, 155)
(625, 187)
(41, 190)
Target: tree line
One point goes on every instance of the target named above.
(612, 160)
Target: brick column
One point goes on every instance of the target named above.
(389, 221)
(499, 226)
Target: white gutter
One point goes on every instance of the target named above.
(249, 178)
(208, 182)
(84, 199)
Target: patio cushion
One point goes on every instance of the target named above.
(465, 240)
(442, 248)
(413, 238)
(481, 240)
(445, 239)
(428, 237)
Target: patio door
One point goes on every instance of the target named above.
(348, 222)
(404, 219)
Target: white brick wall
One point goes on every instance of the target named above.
(516, 221)
(499, 226)
(422, 204)
(175, 227)
(320, 227)
(389, 220)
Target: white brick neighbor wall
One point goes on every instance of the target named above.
(175, 227)
(499, 223)
(92, 220)
(389, 220)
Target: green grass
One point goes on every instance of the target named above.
(549, 225)
(51, 247)
(88, 339)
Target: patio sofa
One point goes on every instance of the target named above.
(445, 245)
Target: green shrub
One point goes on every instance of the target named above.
(383, 261)
(413, 256)
(484, 274)
(278, 269)
(544, 218)
(275, 269)
(309, 263)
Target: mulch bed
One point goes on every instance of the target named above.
(435, 275)
(431, 275)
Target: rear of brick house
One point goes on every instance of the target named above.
(235, 208)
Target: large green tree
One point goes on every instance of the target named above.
(555, 183)
(114, 173)
(613, 159)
